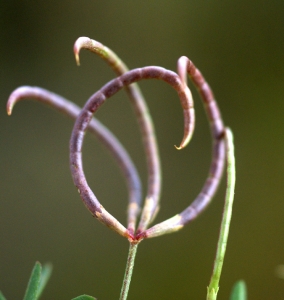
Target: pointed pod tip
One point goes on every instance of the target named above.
(185, 141)
(9, 109)
(77, 58)
(80, 43)
(179, 147)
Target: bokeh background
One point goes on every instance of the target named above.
(239, 47)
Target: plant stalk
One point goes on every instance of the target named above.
(128, 271)
(213, 287)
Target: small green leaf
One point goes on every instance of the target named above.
(2, 296)
(84, 297)
(33, 285)
(239, 291)
(45, 275)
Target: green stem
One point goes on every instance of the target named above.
(213, 288)
(128, 271)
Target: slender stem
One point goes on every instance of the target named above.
(213, 288)
(128, 271)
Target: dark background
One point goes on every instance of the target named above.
(239, 46)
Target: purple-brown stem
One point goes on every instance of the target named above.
(185, 66)
(97, 128)
(86, 115)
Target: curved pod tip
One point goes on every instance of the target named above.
(79, 44)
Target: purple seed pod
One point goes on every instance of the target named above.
(185, 66)
(84, 120)
(92, 105)
(97, 128)
(143, 116)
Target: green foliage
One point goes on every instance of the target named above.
(2, 296)
(239, 291)
(34, 282)
(38, 280)
(45, 275)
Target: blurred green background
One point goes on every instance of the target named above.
(239, 47)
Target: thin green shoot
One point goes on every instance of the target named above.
(213, 287)
(128, 271)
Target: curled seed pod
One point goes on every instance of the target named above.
(185, 66)
(92, 106)
(97, 128)
(147, 129)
